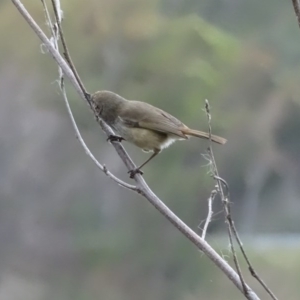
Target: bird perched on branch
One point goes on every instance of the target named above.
(142, 124)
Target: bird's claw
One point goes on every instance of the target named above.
(135, 171)
(115, 138)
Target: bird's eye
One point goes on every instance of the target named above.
(98, 108)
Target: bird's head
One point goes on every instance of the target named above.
(106, 104)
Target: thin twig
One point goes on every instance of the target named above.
(142, 187)
(55, 38)
(210, 201)
(48, 18)
(54, 34)
(58, 17)
(223, 198)
(250, 267)
(103, 168)
(237, 238)
(227, 208)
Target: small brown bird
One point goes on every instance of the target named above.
(142, 124)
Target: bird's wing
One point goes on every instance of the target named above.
(141, 115)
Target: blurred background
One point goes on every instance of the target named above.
(68, 232)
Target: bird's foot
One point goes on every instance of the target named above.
(115, 138)
(135, 171)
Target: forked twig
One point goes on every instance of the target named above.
(224, 199)
(250, 267)
(66, 52)
(227, 209)
(103, 168)
(55, 38)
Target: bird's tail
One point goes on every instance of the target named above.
(204, 135)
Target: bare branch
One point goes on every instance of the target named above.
(103, 168)
(227, 209)
(55, 38)
(209, 212)
(53, 32)
(48, 18)
(250, 267)
(142, 187)
(223, 198)
(59, 12)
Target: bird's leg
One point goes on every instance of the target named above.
(135, 171)
(138, 169)
(115, 138)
